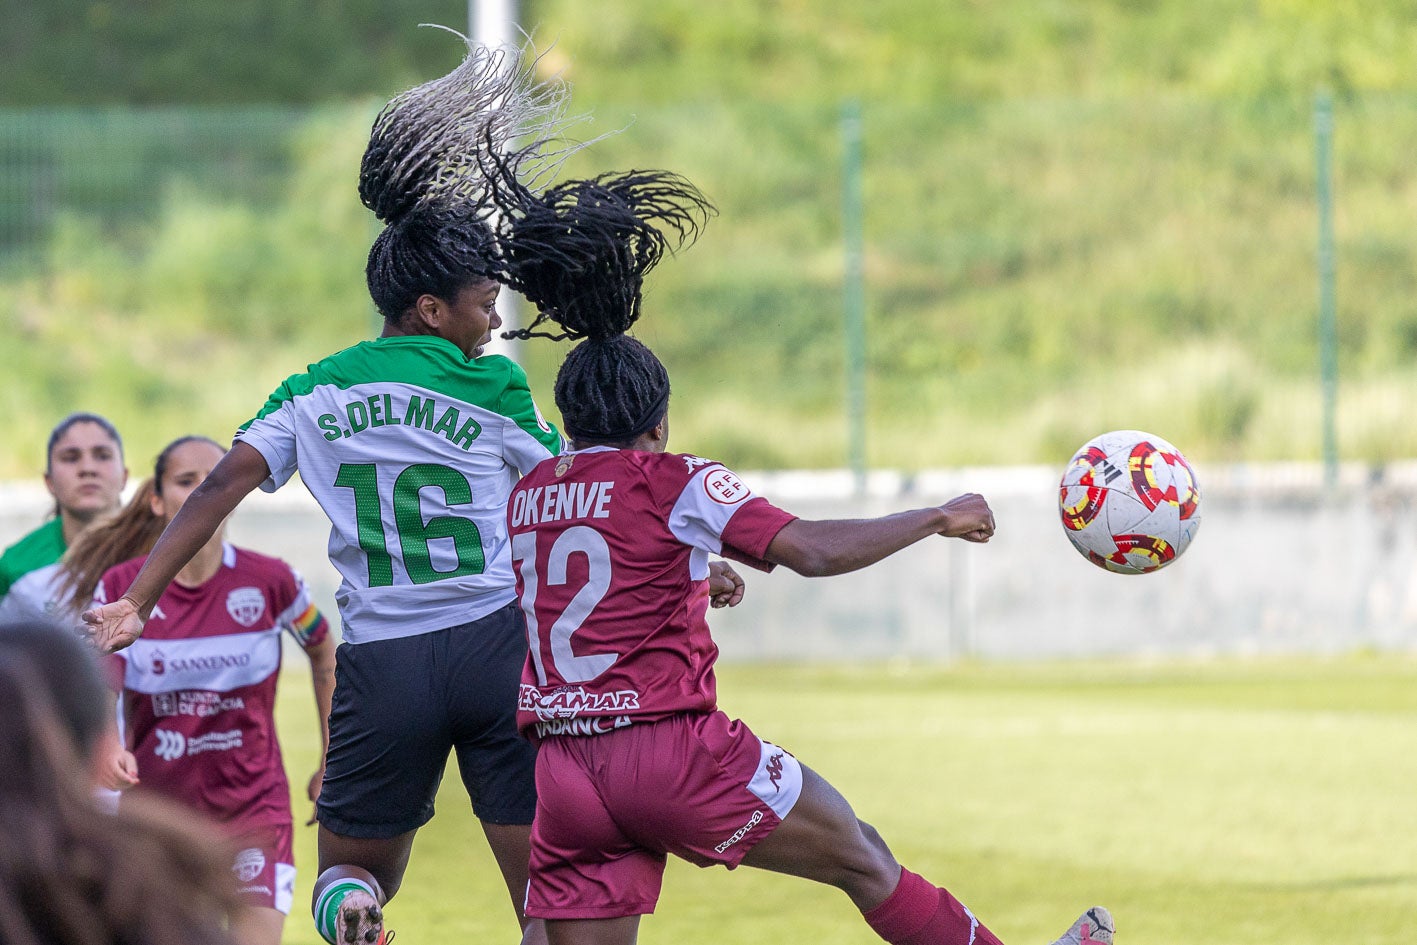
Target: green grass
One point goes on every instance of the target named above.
(1245, 802)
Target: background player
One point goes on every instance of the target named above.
(199, 689)
(84, 472)
(611, 542)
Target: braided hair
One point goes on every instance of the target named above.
(580, 251)
(421, 172)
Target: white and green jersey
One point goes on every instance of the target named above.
(411, 448)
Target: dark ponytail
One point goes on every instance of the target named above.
(580, 252)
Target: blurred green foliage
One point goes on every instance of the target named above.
(1078, 217)
(146, 52)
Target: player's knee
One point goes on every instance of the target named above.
(866, 865)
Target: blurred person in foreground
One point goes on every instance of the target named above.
(611, 542)
(71, 874)
(85, 474)
(198, 691)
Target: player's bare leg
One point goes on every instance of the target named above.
(623, 931)
(823, 840)
(358, 876)
(257, 925)
(511, 847)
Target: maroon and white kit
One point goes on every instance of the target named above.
(611, 550)
(199, 691)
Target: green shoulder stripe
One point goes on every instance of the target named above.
(518, 406)
(419, 360)
(40, 548)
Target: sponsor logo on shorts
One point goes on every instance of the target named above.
(173, 745)
(741, 832)
(248, 865)
(724, 487)
(569, 702)
(246, 604)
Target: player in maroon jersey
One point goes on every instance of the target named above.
(199, 686)
(611, 542)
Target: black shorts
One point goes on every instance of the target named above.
(401, 705)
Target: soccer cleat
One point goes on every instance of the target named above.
(362, 921)
(1093, 927)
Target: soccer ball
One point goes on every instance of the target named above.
(1130, 502)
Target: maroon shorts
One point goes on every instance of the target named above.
(611, 807)
(264, 868)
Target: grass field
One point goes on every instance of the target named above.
(1249, 803)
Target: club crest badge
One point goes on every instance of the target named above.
(246, 604)
(249, 864)
(563, 465)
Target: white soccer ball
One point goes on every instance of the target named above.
(1129, 502)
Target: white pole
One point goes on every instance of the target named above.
(494, 23)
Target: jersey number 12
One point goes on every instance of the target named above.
(577, 539)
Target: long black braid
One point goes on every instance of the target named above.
(421, 173)
(580, 251)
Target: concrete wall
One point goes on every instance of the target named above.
(1280, 564)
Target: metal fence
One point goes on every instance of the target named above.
(1021, 275)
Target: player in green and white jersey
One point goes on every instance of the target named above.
(411, 443)
(84, 472)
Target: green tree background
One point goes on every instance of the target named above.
(1080, 215)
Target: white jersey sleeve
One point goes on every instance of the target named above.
(711, 497)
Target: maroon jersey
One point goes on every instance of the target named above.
(199, 686)
(611, 549)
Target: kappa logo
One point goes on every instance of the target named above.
(724, 487)
(694, 462)
(246, 604)
(774, 770)
(170, 745)
(741, 832)
(248, 864)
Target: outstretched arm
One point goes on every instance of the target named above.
(322, 674)
(820, 548)
(118, 623)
